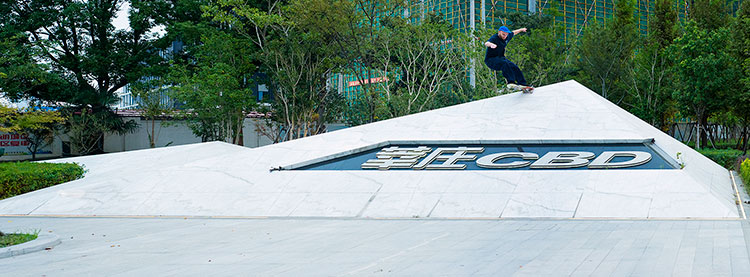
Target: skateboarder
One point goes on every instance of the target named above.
(495, 59)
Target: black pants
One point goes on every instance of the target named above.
(511, 72)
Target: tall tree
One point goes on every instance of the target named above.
(703, 69)
(357, 39)
(605, 52)
(418, 63)
(662, 28)
(295, 49)
(78, 41)
(215, 87)
(70, 52)
(741, 50)
(710, 14)
(156, 101)
(650, 81)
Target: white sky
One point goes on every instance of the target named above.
(121, 21)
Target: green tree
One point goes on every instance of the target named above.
(90, 60)
(357, 42)
(70, 52)
(741, 50)
(9, 120)
(215, 87)
(650, 81)
(155, 103)
(39, 128)
(703, 68)
(662, 28)
(420, 62)
(296, 51)
(605, 52)
(710, 14)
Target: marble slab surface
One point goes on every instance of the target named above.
(220, 179)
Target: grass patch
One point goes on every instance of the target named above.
(724, 157)
(21, 177)
(13, 239)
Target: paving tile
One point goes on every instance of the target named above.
(306, 246)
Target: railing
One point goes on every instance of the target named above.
(715, 133)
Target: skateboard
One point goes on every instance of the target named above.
(524, 89)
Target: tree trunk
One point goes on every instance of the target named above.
(745, 137)
(741, 138)
(704, 123)
(698, 135)
(151, 138)
(241, 135)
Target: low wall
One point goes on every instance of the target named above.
(169, 132)
(172, 133)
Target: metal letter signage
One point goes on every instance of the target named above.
(395, 157)
(513, 155)
(489, 160)
(605, 159)
(563, 160)
(449, 161)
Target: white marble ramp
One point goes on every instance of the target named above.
(219, 179)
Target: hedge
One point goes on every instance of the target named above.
(21, 177)
(745, 172)
(724, 157)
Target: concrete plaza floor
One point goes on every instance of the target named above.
(315, 247)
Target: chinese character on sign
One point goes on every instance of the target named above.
(395, 157)
(449, 161)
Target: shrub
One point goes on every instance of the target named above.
(724, 157)
(719, 144)
(745, 172)
(22, 177)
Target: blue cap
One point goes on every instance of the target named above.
(504, 29)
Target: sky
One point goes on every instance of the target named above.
(121, 21)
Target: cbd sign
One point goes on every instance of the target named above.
(423, 157)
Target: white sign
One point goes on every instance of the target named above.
(16, 145)
(395, 157)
